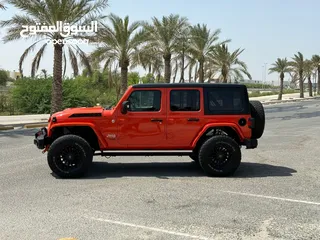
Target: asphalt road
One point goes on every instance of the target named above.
(274, 194)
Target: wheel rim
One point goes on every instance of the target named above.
(69, 159)
(220, 156)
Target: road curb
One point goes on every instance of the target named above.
(6, 128)
(35, 125)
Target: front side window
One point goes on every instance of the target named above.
(184, 100)
(145, 101)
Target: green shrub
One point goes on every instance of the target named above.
(33, 96)
(261, 94)
(257, 85)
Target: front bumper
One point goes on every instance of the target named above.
(251, 143)
(41, 138)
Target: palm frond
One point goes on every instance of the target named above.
(64, 64)
(2, 6)
(25, 54)
(74, 62)
(36, 61)
(228, 63)
(84, 59)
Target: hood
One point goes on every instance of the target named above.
(81, 112)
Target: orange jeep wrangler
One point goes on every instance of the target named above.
(208, 122)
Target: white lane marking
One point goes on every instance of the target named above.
(149, 228)
(275, 198)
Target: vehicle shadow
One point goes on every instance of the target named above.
(256, 170)
(166, 170)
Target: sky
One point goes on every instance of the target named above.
(266, 30)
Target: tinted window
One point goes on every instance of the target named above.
(226, 101)
(184, 100)
(145, 100)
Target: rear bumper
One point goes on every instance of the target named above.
(251, 143)
(41, 138)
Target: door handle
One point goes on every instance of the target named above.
(193, 119)
(156, 120)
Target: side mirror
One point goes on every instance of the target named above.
(125, 107)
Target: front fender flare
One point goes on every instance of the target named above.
(102, 142)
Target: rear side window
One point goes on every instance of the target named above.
(226, 101)
(185, 100)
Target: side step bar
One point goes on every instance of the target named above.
(143, 153)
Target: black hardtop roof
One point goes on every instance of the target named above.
(188, 85)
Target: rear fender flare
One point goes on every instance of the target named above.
(102, 142)
(206, 127)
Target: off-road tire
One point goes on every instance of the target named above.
(76, 150)
(221, 150)
(257, 112)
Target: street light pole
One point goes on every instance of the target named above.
(265, 76)
(317, 75)
(262, 72)
(315, 83)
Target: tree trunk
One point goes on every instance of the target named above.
(158, 77)
(201, 73)
(182, 68)
(56, 94)
(110, 80)
(167, 68)
(116, 83)
(301, 84)
(281, 87)
(124, 79)
(318, 90)
(310, 86)
(224, 78)
(190, 72)
(175, 72)
(195, 73)
(224, 73)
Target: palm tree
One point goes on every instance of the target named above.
(298, 66)
(210, 70)
(308, 71)
(48, 13)
(45, 73)
(192, 63)
(2, 6)
(183, 51)
(120, 43)
(150, 59)
(164, 35)
(228, 63)
(281, 66)
(157, 67)
(316, 63)
(202, 43)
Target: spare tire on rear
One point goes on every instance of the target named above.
(257, 112)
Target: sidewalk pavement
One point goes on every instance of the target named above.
(42, 119)
(17, 120)
(292, 97)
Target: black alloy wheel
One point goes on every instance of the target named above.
(70, 156)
